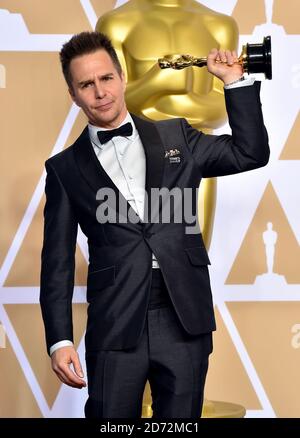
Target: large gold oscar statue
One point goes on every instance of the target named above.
(143, 31)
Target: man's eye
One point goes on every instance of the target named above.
(88, 84)
(107, 78)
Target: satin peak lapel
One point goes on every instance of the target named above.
(92, 170)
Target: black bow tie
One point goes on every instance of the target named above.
(123, 131)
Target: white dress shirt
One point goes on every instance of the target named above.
(123, 159)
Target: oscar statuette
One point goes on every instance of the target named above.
(255, 58)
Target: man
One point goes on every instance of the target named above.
(150, 30)
(150, 313)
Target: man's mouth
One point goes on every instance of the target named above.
(104, 106)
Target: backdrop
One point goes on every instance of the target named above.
(256, 358)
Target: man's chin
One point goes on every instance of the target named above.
(105, 118)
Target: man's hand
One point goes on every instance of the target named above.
(61, 360)
(223, 64)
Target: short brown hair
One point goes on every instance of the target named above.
(83, 44)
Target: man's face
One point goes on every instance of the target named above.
(98, 89)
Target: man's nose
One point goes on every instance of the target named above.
(99, 90)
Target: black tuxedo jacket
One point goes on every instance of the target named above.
(120, 254)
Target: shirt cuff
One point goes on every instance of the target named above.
(240, 83)
(60, 344)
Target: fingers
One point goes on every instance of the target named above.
(65, 380)
(227, 57)
(77, 365)
(222, 56)
(223, 64)
(67, 376)
(235, 56)
(61, 361)
(213, 56)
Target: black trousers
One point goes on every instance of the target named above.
(174, 362)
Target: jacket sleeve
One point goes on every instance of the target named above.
(57, 261)
(247, 148)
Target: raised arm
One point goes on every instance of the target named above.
(247, 148)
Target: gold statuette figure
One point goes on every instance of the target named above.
(255, 58)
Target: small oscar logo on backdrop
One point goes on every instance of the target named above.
(270, 238)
